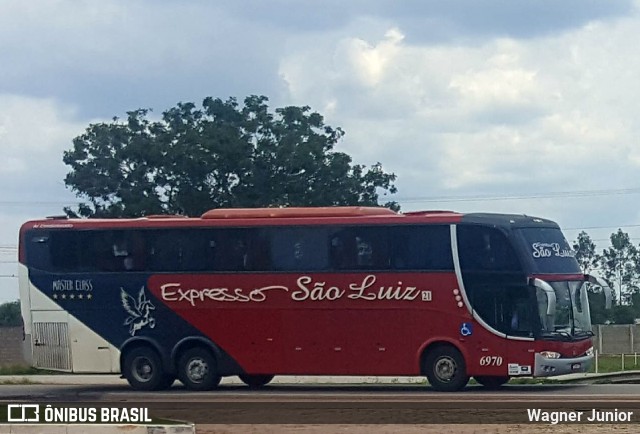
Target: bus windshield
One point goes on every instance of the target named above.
(568, 315)
(549, 251)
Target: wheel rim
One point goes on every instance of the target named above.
(197, 370)
(445, 369)
(142, 369)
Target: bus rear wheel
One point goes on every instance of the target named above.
(143, 369)
(446, 369)
(197, 369)
(490, 381)
(255, 381)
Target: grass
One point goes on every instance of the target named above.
(616, 363)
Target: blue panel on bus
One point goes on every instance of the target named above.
(117, 309)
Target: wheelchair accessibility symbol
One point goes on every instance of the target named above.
(466, 329)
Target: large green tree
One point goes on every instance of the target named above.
(220, 155)
(586, 254)
(619, 265)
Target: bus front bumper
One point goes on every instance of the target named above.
(545, 367)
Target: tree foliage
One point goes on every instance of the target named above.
(586, 255)
(619, 265)
(219, 155)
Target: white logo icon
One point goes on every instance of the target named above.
(139, 311)
(23, 413)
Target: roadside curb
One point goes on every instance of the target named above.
(115, 380)
(611, 377)
(103, 380)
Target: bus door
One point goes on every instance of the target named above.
(59, 341)
(497, 291)
(50, 342)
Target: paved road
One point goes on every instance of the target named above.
(341, 403)
(349, 407)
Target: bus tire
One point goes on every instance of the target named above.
(143, 369)
(255, 381)
(491, 382)
(197, 369)
(446, 369)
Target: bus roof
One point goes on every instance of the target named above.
(507, 220)
(293, 216)
(324, 211)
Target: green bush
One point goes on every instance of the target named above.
(10, 314)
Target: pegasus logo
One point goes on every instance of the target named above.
(139, 311)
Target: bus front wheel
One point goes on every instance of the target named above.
(197, 369)
(255, 381)
(143, 369)
(491, 382)
(446, 369)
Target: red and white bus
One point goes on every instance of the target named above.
(304, 291)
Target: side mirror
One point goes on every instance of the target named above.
(596, 280)
(551, 294)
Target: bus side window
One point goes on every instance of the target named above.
(360, 249)
(63, 250)
(344, 251)
(485, 249)
(422, 248)
(103, 250)
(299, 249)
(39, 250)
(119, 250)
(196, 250)
(258, 256)
(128, 249)
(232, 250)
(164, 252)
(137, 252)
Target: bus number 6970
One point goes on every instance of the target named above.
(491, 361)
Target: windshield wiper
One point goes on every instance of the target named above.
(558, 333)
(584, 333)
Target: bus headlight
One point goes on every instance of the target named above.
(589, 352)
(550, 354)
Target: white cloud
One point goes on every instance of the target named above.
(34, 133)
(455, 98)
(495, 115)
(33, 130)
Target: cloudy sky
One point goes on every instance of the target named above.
(525, 107)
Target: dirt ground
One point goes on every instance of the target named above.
(422, 429)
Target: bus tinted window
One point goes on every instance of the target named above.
(65, 250)
(485, 249)
(360, 248)
(241, 250)
(312, 248)
(117, 250)
(422, 248)
(298, 249)
(180, 250)
(207, 250)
